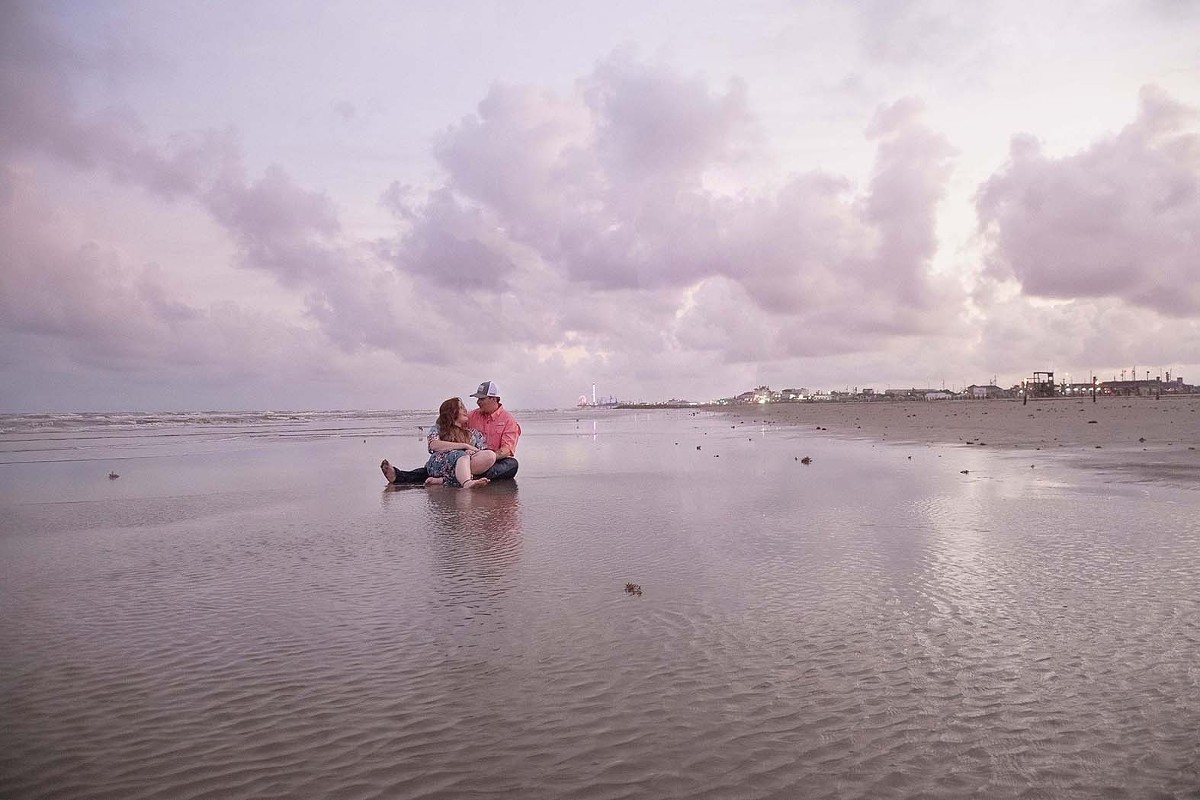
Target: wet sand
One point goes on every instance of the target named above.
(249, 612)
(1156, 439)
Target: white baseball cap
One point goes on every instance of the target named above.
(487, 389)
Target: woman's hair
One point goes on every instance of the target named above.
(447, 423)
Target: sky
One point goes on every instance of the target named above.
(378, 205)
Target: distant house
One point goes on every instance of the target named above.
(1132, 388)
(1075, 389)
(760, 394)
(911, 394)
(989, 392)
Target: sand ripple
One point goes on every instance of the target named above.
(448, 645)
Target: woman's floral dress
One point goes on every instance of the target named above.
(441, 465)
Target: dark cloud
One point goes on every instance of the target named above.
(1119, 219)
(281, 227)
(449, 242)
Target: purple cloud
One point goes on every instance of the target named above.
(1119, 219)
(653, 126)
(608, 190)
(281, 227)
(449, 242)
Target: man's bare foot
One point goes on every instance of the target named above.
(389, 471)
(434, 481)
(476, 483)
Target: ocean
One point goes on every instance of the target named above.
(665, 604)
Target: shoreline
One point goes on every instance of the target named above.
(1141, 437)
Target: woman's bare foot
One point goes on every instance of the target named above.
(475, 483)
(389, 471)
(434, 481)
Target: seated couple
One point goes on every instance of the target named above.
(467, 450)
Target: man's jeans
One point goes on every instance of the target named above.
(503, 470)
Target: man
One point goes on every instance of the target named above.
(500, 430)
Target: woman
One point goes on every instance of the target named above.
(456, 453)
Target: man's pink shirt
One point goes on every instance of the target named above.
(501, 429)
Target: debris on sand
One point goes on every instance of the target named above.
(112, 476)
(634, 589)
(806, 460)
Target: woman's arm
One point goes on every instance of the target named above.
(437, 445)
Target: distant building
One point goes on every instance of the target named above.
(989, 392)
(909, 394)
(760, 394)
(1040, 385)
(1148, 388)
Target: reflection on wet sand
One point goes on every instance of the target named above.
(494, 509)
(476, 535)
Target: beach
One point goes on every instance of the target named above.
(1141, 437)
(248, 611)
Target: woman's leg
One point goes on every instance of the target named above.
(462, 471)
(482, 461)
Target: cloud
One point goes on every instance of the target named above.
(92, 307)
(578, 221)
(607, 190)
(1082, 335)
(281, 227)
(653, 125)
(450, 242)
(902, 31)
(631, 227)
(1120, 219)
(606, 185)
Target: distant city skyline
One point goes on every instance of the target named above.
(377, 205)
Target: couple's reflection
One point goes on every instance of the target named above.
(477, 535)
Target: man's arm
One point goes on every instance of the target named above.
(508, 441)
